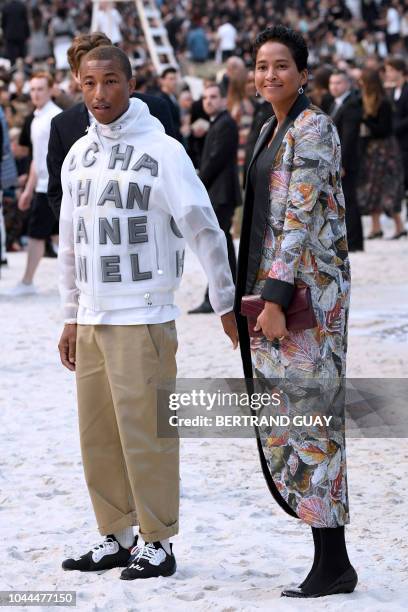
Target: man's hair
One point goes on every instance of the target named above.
(42, 74)
(114, 54)
(288, 37)
(82, 44)
(320, 77)
(397, 63)
(217, 86)
(169, 70)
(341, 73)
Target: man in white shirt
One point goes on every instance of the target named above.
(131, 199)
(108, 20)
(226, 36)
(42, 224)
(393, 20)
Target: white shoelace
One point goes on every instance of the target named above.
(147, 552)
(107, 545)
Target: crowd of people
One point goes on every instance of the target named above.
(358, 75)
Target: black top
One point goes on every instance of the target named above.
(259, 175)
(380, 125)
(263, 111)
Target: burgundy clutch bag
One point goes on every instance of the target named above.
(299, 315)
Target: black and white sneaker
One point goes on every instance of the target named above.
(150, 561)
(102, 557)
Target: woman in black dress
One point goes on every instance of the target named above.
(381, 187)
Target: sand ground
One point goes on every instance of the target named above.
(236, 549)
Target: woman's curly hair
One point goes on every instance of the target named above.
(288, 37)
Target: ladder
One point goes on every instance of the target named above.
(160, 50)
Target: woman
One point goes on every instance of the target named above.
(320, 94)
(381, 177)
(241, 107)
(293, 232)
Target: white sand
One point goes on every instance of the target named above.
(236, 549)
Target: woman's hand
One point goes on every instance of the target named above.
(272, 322)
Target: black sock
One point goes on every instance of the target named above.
(333, 560)
(316, 559)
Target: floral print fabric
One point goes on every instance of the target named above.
(305, 243)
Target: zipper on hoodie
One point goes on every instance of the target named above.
(156, 245)
(94, 216)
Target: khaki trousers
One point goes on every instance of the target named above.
(132, 475)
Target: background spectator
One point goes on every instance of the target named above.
(108, 20)
(197, 42)
(381, 175)
(61, 32)
(16, 30)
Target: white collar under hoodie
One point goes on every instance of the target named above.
(131, 198)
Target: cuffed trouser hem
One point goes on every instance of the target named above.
(163, 534)
(128, 520)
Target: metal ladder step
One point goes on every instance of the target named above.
(158, 31)
(152, 13)
(164, 50)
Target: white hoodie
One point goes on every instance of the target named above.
(131, 198)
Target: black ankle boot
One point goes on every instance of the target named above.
(333, 573)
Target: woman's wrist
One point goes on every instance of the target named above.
(272, 306)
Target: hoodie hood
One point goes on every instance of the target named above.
(135, 121)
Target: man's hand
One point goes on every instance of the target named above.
(67, 346)
(272, 321)
(230, 327)
(24, 201)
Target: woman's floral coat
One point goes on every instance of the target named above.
(304, 242)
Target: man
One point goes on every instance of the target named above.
(219, 172)
(15, 29)
(74, 122)
(108, 19)
(42, 224)
(129, 195)
(168, 88)
(226, 39)
(347, 113)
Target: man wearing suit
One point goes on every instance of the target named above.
(346, 113)
(73, 123)
(219, 171)
(168, 88)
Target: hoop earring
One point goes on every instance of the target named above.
(300, 90)
(257, 94)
